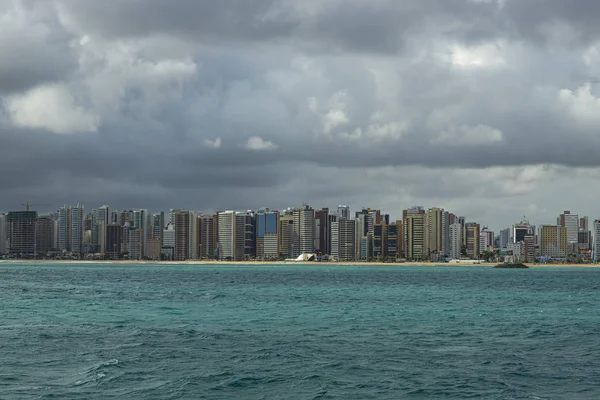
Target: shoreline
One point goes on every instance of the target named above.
(232, 263)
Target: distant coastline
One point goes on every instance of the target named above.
(225, 263)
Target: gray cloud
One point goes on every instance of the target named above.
(483, 107)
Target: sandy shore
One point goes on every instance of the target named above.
(361, 264)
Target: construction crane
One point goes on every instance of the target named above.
(28, 206)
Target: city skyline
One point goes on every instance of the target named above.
(432, 234)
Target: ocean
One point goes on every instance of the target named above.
(116, 331)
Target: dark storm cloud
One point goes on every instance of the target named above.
(238, 104)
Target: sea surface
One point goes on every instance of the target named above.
(103, 331)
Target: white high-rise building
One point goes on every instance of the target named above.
(3, 234)
(304, 231)
(346, 249)
(571, 222)
(455, 240)
(226, 235)
(343, 239)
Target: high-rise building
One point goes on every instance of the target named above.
(226, 236)
(286, 233)
(456, 241)
(363, 233)
(76, 228)
(249, 229)
(114, 240)
(472, 231)
(43, 234)
(303, 239)
(346, 240)
(186, 235)
(401, 239)
(100, 220)
(158, 224)
(461, 221)
(134, 245)
(207, 236)
(322, 231)
(379, 240)
(21, 232)
(596, 238)
(553, 241)
(529, 248)
(486, 240)
(504, 238)
(571, 222)
(267, 234)
(168, 242)
(520, 230)
(64, 228)
(343, 212)
(446, 233)
(584, 223)
(392, 239)
(3, 234)
(584, 240)
(435, 234)
(415, 236)
(126, 217)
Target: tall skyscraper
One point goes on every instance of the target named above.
(392, 240)
(456, 241)
(343, 212)
(286, 234)
(473, 231)
(64, 228)
(77, 228)
(303, 239)
(379, 240)
(168, 245)
(227, 240)
(415, 236)
(342, 240)
(114, 240)
(322, 231)
(267, 234)
(21, 232)
(571, 222)
(207, 237)
(134, 245)
(43, 234)
(100, 219)
(435, 233)
(504, 238)
(186, 235)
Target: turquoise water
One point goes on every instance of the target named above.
(298, 332)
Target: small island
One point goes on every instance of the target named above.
(511, 265)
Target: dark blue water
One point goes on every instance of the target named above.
(298, 332)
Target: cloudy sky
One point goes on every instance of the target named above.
(488, 108)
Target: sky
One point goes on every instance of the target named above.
(487, 108)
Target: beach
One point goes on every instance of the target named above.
(359, 264)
